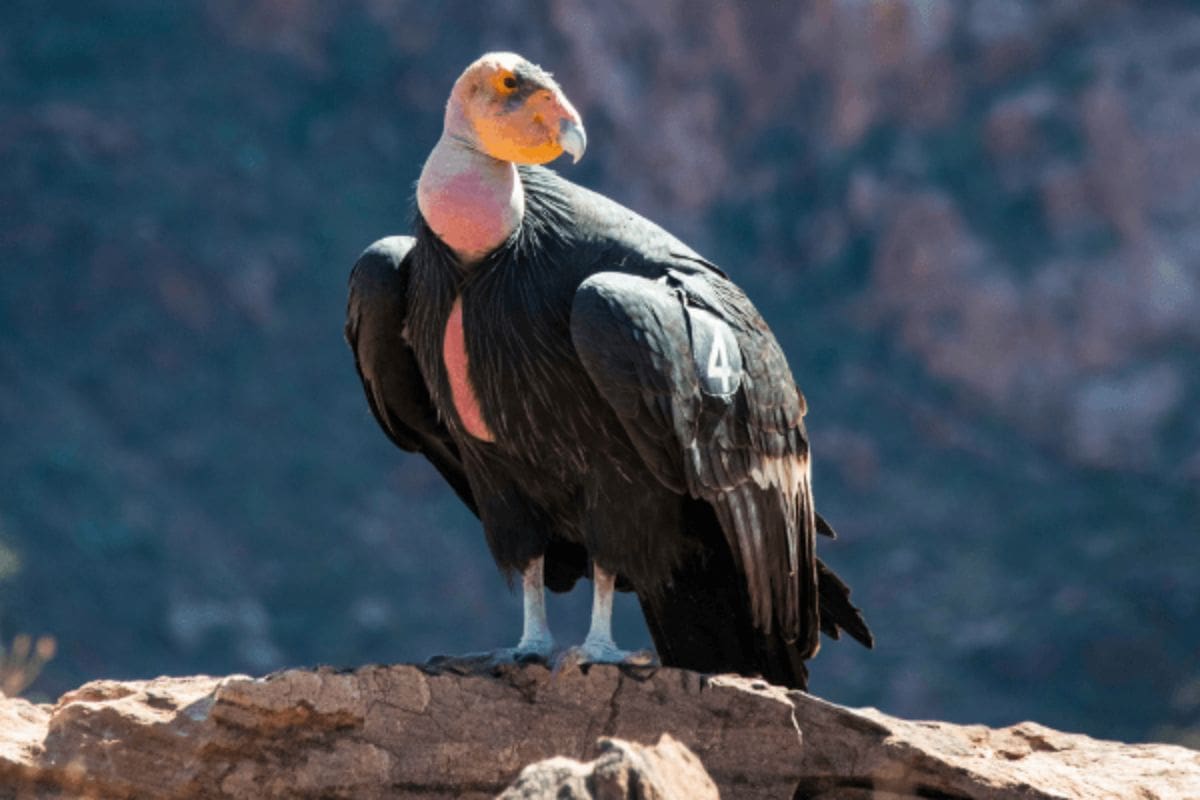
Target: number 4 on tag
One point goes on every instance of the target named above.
(718, 363)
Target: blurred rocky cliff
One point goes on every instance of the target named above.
(973, 225)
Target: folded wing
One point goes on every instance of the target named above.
(705, 394)
(395, 389)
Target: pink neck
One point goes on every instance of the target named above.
(473, 202)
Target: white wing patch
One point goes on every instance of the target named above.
(788, 473)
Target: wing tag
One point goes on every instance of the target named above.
(715, 353)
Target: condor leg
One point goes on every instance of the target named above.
(536, 640)
(599, 647)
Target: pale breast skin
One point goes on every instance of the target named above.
(462, 391)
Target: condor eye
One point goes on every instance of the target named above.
(510, 82)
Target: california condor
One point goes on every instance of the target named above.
(605, 399)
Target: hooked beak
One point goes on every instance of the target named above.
(572, 138)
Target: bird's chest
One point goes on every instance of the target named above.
(505, 368)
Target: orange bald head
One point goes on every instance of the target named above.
(514, 111)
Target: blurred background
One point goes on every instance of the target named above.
(973, 224)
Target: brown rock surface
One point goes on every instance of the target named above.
(624, 771)
(450, 730)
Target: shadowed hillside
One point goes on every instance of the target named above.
(973, 226)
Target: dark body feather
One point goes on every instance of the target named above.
(587, 335)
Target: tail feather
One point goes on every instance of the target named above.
(702, 620)
(837, 612)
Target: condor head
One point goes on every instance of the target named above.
(514, 111)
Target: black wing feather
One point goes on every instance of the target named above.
(395, 389)
(634, 338)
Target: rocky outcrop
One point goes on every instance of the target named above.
(624, 771)
(455, 730)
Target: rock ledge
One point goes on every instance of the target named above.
(450, 730)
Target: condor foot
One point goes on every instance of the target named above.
(603, 652)
(523, 653)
